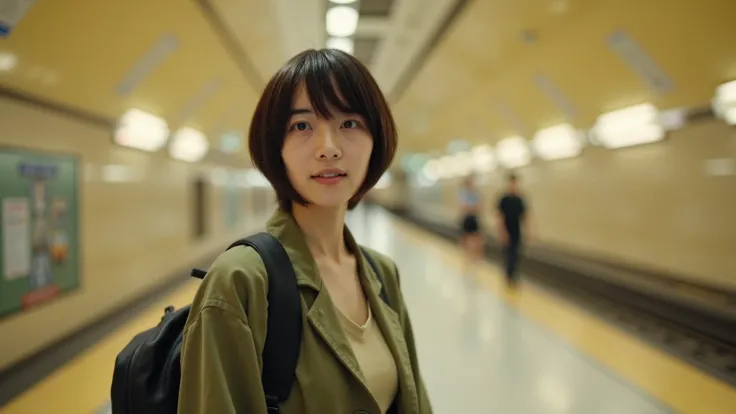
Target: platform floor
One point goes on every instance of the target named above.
(483, 348)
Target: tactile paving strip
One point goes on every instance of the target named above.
(708, 354)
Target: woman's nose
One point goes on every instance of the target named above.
(328, 148)
(328, 153)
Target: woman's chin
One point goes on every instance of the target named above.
(329, 201)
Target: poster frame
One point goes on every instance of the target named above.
(77, 159)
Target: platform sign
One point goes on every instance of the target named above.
(11, 13)
(39, 242)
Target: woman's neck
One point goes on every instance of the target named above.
(323, 228)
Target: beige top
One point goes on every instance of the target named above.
(375, 359)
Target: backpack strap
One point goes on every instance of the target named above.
(372, 263)
(284, 325)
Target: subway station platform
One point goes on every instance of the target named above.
(483, 347)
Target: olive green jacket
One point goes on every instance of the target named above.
(225, 333)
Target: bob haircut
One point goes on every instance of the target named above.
(328, 75)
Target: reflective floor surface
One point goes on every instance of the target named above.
(483, 348)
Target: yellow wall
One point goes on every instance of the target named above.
(133, 234)
(652, 206)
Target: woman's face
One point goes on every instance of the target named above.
(326, 160)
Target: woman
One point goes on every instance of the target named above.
(472, 237)
(323, 135)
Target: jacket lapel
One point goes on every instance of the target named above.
(390, 324)
(322, 313)
(325, 321)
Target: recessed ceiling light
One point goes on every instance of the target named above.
(188, 144)
(345, 44)
(341, 21)
(141, 130)
(342, 1)
(8, 61)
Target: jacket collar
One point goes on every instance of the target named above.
(284, 227)
(323, 317)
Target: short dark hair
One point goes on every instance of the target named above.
(328, 75)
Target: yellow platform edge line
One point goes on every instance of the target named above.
(664, 377)
(83, 384)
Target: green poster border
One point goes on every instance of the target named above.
(77, 158)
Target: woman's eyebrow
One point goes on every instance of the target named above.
(344, 111)
(299, 111)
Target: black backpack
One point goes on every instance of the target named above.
(147, 371)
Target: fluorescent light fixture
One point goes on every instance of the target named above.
(446, 167)
(345, 44)
(188, 144)
(341, 21)
(557, 142)
(8, 61)
(423, 181)
(673, 119)
(255, 178)
(462, 164)
(730, 115)
(634, 125)
(431, 170)
(343, 1)
(231, 142)
(449, 166)
(513, 152)
(413, 163)
(141, 130)
(384, 182)
(726, 93)
(483, 159)
(458, 145)
(724, 102)
(120, 174)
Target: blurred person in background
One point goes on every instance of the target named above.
(472, 236)
(512, 226)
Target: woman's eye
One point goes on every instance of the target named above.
(300, 126)
(350, 124)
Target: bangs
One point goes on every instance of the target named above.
(332, 80)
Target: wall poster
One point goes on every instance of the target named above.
(39, 247)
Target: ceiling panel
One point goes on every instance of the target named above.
(365, 48)
(412, 29)
(251, 24)
(375, 8)
(77, 53)
(481, 82)
(497, 51)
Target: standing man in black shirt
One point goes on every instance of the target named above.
(512, 226)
